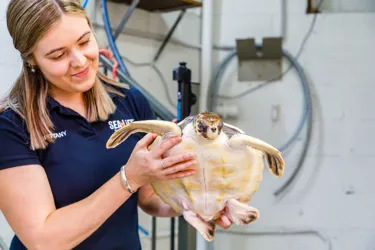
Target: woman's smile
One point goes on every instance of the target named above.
(83, 73)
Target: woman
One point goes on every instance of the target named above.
(60, 188)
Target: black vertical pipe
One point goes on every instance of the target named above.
(186, 234)
(185, 97)
(153, 240)
(172, 232)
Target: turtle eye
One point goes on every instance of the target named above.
(202, 127)
(220, 125)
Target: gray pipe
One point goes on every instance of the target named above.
(3, 246)
(281, 232)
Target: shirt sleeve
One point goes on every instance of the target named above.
(14, 145)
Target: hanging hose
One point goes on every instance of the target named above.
(307, 115)
(213, 89)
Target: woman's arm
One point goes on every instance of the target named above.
(152, 204)
(27, 203)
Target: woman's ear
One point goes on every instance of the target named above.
(31, 64)
(31, 61)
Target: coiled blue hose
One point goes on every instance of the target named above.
(213, 89)
(215, 83)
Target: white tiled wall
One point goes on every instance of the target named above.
(332, 194)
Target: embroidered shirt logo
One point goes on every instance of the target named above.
(117, 124)
(56, 135)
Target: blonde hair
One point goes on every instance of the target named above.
(27, 22)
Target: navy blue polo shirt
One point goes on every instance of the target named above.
(78, 163)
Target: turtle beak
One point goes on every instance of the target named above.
(212, 132)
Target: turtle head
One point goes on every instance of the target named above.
(208, 125)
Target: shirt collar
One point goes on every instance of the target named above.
(52, 103)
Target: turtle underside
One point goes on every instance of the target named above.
(222, 173)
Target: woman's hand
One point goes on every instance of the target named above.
(146, 166)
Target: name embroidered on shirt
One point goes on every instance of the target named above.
(56, 135)
(117, 124)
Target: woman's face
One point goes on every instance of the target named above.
(68, 56)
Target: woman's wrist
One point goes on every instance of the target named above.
(128, 180)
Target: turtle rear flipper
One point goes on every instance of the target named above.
(273, 156)
(205, 228)
(241, 213)
(161, 128)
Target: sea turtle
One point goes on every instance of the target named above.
(229, 168)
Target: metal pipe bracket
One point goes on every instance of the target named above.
(256, 64)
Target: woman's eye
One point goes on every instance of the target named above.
(84, 43)
(58, 57)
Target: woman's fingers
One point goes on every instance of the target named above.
(165, 146)
(172, 160)
(181, 174)
(173, 170)
(146, 140)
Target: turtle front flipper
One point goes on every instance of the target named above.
(161, 128)
(273, 156)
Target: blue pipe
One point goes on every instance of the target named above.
(84, 3)
(112, 44)
(143, 230)
(179, 118)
